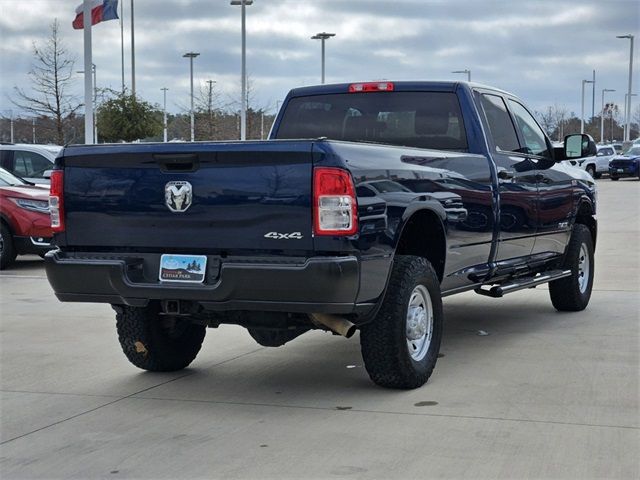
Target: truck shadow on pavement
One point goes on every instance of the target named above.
(317, 367)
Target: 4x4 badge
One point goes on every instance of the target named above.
(178, 195)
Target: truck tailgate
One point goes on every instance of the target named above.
(252, 195)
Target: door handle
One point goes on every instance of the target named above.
(504, 174)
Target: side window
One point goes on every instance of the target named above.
(30, 164)
(534, 138)
(500, 124)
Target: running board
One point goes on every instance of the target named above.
(521, 283)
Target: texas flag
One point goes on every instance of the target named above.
(101, 11)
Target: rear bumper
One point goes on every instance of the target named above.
(305, 285)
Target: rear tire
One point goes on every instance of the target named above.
(614, 178)
(156, 342)
(400, 346)
(572, 294)
(8, 252)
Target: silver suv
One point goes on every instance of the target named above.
(29, 161)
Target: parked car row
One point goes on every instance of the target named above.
(25, 225)
(609, 161)
(626, 165)
(30, 162)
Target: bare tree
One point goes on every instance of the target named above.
(561, 114)
(51, 78)
(547, 120)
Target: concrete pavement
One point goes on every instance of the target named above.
(543, 395)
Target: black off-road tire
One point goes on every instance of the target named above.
(8, 252)
(591, 170)
(614, 178)
(565, 293)
(150, 345)
(384, 341)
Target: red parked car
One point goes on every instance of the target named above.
(25, 224)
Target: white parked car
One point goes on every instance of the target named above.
(598, 164)
(28, 161)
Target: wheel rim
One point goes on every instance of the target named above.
(584, 269)
(419, 323)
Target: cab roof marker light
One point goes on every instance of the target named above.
(371, 87)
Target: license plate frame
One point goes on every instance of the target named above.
(182, 268)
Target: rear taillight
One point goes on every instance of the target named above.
(371, 87)
(334, 202)
(56, 202)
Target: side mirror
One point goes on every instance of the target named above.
(47, 174)
(579, 146)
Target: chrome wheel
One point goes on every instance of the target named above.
(584, 269)
(419, 323)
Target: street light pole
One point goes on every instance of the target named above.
(322, 36)
(133, 55)
(95, 100)
(95, 103)
(627, 105)
(191, 56)
(164, 113)
(626, 95)
(582, 111)
(602, 114)
(243, 95)
(467, 71)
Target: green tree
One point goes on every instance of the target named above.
(127, 118)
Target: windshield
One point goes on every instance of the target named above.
(414, 119)
(8, 180)
(633, 151)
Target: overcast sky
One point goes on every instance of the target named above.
(539, 50)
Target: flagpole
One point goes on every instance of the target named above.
(88, 87)
(133, 56)
(122, 40)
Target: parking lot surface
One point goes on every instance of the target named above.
(520, 391)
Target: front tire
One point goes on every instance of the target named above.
(8, 252)
(155, 342)
(572, 294)
(614, 178)
(400, 346)
(591, 170)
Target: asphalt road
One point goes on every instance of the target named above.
(543, 395)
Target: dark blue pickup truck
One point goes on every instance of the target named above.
(368, 204)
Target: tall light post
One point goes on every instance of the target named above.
(243, 95)
(133, 54)
(582, 111)
(191, 56)
(628, 103)
(467, 71)
(322, 36)
(626, 95)
(164, 113)
(602, 114)
(95, 101)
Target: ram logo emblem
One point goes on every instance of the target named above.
(178, 195)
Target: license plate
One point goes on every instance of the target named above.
(621, 170)
(183, 268)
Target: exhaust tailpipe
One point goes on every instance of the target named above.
(339, 325)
